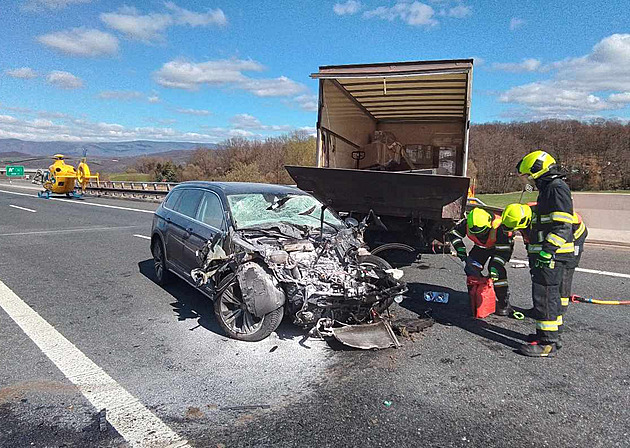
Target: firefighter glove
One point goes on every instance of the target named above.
(544, 260)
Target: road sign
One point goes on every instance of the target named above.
(15, 171)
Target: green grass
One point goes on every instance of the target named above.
(501, 200)
(130, 177)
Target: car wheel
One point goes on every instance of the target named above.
(162, 275)
(234, 318)
(373, 260)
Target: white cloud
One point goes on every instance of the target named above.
(21, 73)
(153, 99)
(198, 112)
(151, 27)
(307, 102)
(526, 65)
(619, 97)
(577, 85)
(348, 8)
(83, 42)
(224, 73)
(121, 95)
(43, 5)
(64, 80)
(459, 11)
(141, 27)
(185, 17)
(190, 75)
(249, 122)
(516, 23)
(416, 13)
(281, 86)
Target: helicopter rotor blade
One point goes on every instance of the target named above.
(24, 160)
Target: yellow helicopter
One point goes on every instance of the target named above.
(61, 178)
(64, 179)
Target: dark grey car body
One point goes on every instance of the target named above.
(192, 214)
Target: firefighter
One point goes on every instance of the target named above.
(491, 242)
(551, 247)
(519, 217)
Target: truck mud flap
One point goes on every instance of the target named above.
(378, 335)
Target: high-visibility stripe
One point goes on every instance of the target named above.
(562, 217)
(455, 232)
(547, 325)
(534, 248)
(500, 283)
(555, 239)
(566, 248)
(559, 320)
(545, 219)
(499, 260)
(564, 301)
(578, 233)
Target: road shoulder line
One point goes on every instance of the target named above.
(133, 421)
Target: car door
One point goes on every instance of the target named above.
(180, 227)
(208, 222)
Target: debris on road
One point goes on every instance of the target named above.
(247, 407)
(436, 296)
(377, 335)
(102, 420)
(388, 403)
(405, 327)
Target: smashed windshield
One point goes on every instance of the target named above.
(260, 209)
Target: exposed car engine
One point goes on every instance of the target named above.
(315, 275)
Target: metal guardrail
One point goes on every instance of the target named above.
(130, 189)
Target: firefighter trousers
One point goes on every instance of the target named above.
(546, 294)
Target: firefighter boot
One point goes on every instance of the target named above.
(503, 302)
(533, 337)
(538, 349)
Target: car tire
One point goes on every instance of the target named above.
(235, 320)
(374, 260)
(162, 275)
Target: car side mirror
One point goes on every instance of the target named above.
(351, 222)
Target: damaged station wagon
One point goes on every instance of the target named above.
(262, 252)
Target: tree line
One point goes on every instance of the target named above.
(594, 154)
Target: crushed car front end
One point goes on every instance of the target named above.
(288, 252)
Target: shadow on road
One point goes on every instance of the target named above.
(189, 302)
(457, 313)
(192, 304)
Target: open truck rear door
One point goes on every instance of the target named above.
(376, 121)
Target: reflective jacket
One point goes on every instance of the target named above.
(498, 239)
(580, 231)
(552, 228)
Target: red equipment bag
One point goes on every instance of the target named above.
(482, 297)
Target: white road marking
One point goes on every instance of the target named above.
(133, 421)
(588, 271)
(23, 208)
(142, 236)
(69, 201)
(81, 229)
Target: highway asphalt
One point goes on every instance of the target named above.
(457, 384)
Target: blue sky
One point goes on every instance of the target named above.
(192, 70)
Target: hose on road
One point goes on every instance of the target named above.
(575, 298)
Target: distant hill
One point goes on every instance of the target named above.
(106, 157)
(107, 149)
